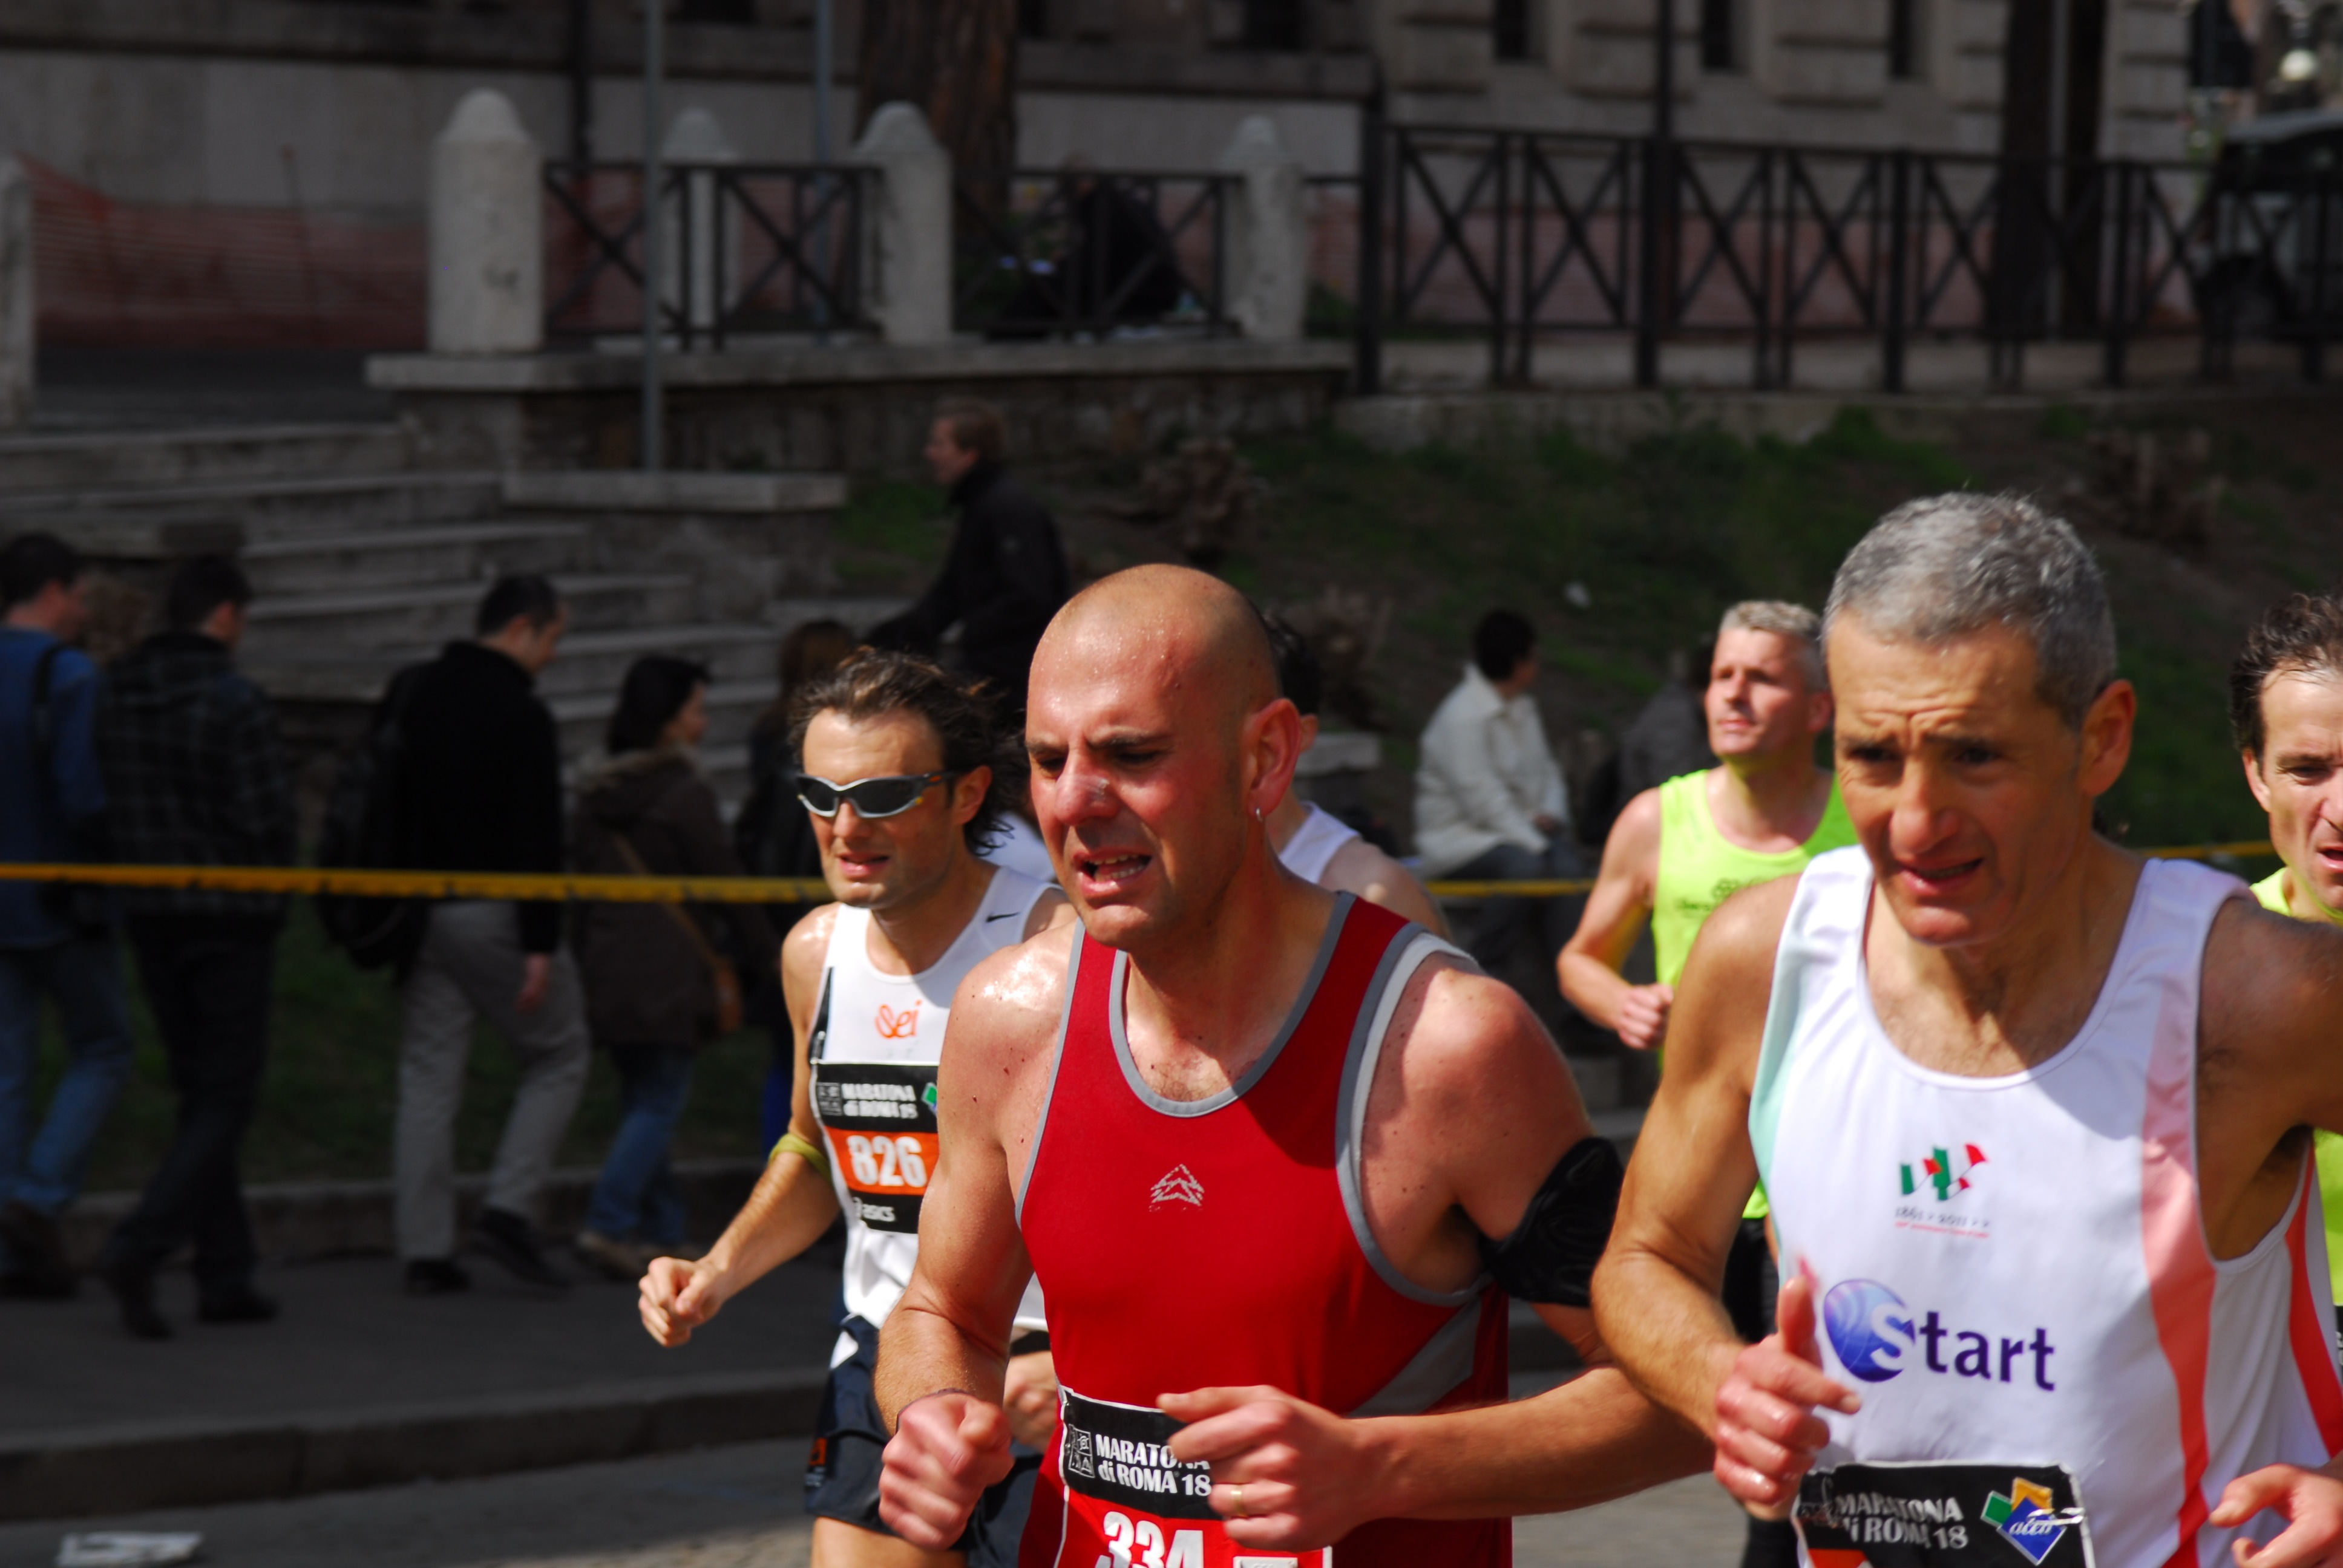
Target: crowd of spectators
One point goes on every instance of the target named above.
(170, 756)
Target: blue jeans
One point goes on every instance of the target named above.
(43, 1170)
(636, 1194)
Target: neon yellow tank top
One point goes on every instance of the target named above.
(2327, 1146)
(1700, 867)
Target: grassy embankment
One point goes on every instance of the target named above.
(1662, 538)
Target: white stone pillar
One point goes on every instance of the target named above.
(1267, 272)
(697, 139)
(906, 228)
(16, 294)
(488, 232)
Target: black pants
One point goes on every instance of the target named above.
(1750, 1285)
(207, 980)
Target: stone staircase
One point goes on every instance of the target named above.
(362, 560)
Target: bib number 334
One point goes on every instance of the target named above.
(1133, 1506)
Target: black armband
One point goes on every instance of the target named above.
(1550, 1258)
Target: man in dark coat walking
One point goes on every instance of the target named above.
(1006, 574)
(195, 776)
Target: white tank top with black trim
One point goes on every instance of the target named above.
(874, 1045)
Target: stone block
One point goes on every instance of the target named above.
(907, 237)
(15, 295)
(1858, 22)
(1268, 268)
(1813, 74)
(1421, 58)
(1979, 26)
(487, 245)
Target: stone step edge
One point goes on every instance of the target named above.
(123, 1468)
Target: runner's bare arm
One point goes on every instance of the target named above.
(793, 1201)
(1655, 1290)
(1617, 912)
(2269, 1064)
(1472, 1108)
(944, 1348)
(1358, 866)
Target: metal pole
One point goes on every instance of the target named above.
(654, 421)
(581, 86)
(1366, 319)
(818, 248)
(1659, 189)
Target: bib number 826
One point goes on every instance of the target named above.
(1139, 1544)
(883, 1162)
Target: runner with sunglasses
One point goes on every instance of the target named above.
(894, 752)
(1277, 1156)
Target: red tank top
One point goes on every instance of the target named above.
(1223, 1242)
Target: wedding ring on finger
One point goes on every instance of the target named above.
(1236, 1501)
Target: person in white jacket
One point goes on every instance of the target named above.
(1489, 800)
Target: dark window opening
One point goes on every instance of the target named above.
(1032, 18)
(1720, 41)
(740, 13)
(1903, 40)
(1512, 27)
(2220, 54)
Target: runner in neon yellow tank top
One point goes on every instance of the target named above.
(1677, 851)
(2285, 704)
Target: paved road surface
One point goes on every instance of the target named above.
(733, 1508)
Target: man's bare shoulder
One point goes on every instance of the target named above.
(807, 946)
(1739, 937)
(1632, 845)
(2271, 982)
(1011, 1001)
(1466, 1046)
(1358, 866)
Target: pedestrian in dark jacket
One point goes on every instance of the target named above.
(197, 777)
(53, 944)
(1006, 573)
(652, 991)
(481, 790)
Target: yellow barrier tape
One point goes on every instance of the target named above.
(312, 880)
(436, 884)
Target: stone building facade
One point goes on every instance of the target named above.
(330, 105)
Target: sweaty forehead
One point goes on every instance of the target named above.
(2302, 711)
(1154, 644)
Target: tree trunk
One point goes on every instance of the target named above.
(956, 60)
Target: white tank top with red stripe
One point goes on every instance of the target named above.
(2013, 1272)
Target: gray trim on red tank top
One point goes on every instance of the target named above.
(1254, 1074)
(1351, 1117)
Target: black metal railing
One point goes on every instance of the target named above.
(1529, 239)
(1060, 252)
(747, 249)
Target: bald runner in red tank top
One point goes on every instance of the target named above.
(1230, 1211)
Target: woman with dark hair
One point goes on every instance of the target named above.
(656, 979)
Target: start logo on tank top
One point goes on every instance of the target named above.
(874, 1046)
(2012, 1270)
